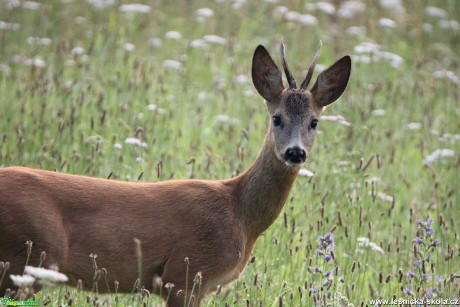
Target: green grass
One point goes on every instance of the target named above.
(69, 114)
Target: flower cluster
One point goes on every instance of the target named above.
(321, 289)
(326, 247)
(424, 246)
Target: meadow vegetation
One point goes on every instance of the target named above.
(162, 90)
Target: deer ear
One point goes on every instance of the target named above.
(332, 82)
(265, 75)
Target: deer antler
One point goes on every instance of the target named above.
(307, 80)
(289, 75)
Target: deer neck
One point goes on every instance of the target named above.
(263, 189)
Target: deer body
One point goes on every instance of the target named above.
(212, 223)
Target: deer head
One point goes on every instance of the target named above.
(295, 111)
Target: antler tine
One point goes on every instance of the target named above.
(289, 76)
(307, 80)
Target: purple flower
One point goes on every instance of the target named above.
(427, 276)
(430, 220)
(326, 242)
(421, 222)
(417, 262)
(313, 290)
(329, 294)
(410, 274)
(328, 257)
(328, 273)
(407, 291)
(429, 292)
(435, 242)
(418, 240)
(429, 230)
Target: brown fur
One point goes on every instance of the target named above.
(212, 223)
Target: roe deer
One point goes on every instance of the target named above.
(212, 223)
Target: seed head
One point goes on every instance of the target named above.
(198, 279)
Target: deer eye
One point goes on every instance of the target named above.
(276, 120)
(314, 124)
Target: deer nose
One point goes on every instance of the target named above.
(295, 155)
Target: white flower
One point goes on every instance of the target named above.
(129, 47)
(78, 51)
(377, 54)
(396, 6)
(31, 5)
(155, 108)
(205, 12)
(11, 4)
(449, 24)
(35, 62)
(305, 172)
(135, 8)
(237, 4)
(173, 65)
(367, 47)
(362, 59)
(134, 141)
(117, 146)
(22, 280)
(446, 74)
(383, 196)
(49, 275)
(241, 79)
(174, 35)
(156, 42)
(307, 20)
(394, 59)
(374, 180)
(356, 31)
(336, 118)
(215, 39)
(280, 10)
(199, 43)
(9, 26)
(292, 16)
(349, 9)
(225, 119)
(434, 11)
(437, 155)
(378, 112)
(365, 242)
(387, 23)
(450, 138)
(322, 6)
(355, 185)
(413, 126)
(101, 4)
